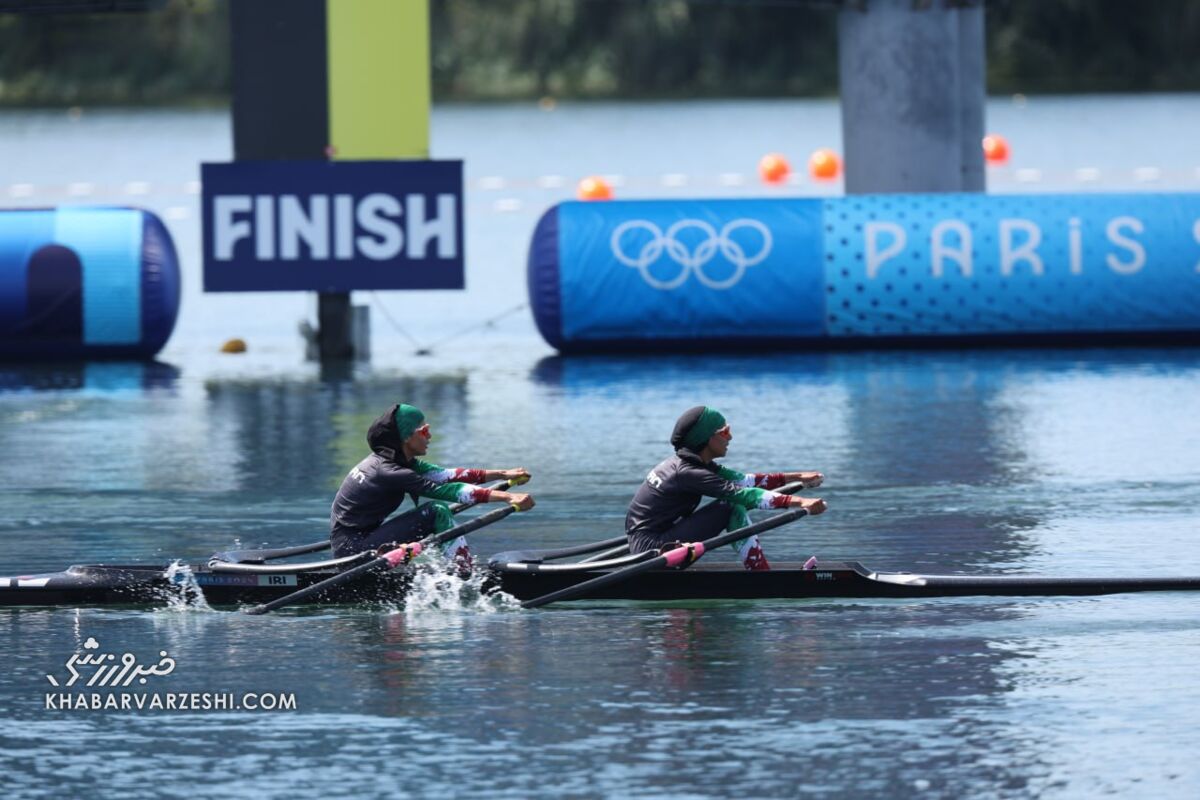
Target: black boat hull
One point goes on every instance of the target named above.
(149, 585)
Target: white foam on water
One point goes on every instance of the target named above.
(184, 594)
(436, 587)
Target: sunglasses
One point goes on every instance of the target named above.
(725, 433)
(424, 430)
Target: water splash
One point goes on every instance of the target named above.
(183, 592)
(436, 587)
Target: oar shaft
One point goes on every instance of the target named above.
(467, 527)
(673, 558)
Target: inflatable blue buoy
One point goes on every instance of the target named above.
(868, 270)
(81, 283)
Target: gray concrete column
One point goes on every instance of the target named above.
(912, 95)
(334, 326)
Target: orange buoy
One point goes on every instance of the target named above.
(594, 188)
(774, 168)
(824, 165)
(234, 346)
(995, 149)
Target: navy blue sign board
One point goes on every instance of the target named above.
(332, 226)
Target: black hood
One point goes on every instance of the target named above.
(384, 437)
(683, 425)
(693, 458)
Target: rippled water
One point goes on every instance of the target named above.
(1080, 462)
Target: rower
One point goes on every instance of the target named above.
(379, 483)
(661, 513)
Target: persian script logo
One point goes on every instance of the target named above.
(105, 670)
(693, 246)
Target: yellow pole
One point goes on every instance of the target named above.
(378, 78)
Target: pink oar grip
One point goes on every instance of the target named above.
(680, 555)
(402, 554)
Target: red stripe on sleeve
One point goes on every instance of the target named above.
(770, 480)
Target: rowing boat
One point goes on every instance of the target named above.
(529, 575)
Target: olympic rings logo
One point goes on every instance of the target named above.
(691, 260)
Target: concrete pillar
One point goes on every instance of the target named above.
(913, 93)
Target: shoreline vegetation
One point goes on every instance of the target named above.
(586, 50)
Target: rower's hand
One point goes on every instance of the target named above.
(515, 476)
(813, 505)
(522, 501)
(811, 480)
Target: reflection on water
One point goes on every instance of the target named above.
(98, 376)
(297, 435)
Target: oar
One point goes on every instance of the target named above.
(272, 554)
(389, 560)
(680, 556)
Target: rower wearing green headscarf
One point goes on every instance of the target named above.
(663, 510)
(378, 485)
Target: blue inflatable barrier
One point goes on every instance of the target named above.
(863, 270)
(85, 283)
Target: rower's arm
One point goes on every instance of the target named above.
(751, 498)
(432, 472)
(716, 484)
(456, 492)
(759, 480)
